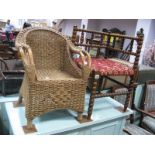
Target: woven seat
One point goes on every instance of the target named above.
(52, 80)
(47, 75)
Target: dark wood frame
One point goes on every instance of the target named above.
(3, 65)
(17, 76)
(96, 76)
(7, 52)
(142, 109)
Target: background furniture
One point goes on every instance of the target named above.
(52, 80)
(132, 125)
(146, 73)
(132, 129)
(104, 67)
(107, 119)
(10, 79)
(7, 52)
(147, 108)
(3, 65)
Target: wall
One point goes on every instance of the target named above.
(93, 24)
(151, 34)
(67, 25)
(145, 24)
(128, 25)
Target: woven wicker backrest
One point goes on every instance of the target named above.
(48, 48)
(150, 97)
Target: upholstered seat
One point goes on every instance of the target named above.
(109, 67)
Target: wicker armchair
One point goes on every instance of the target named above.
(52, 80)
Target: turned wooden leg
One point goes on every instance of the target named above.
(129, 95)
(100, 84)
(133, 104)
(92, 96)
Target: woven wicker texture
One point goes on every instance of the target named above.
(52, 80)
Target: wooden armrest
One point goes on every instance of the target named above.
(144, 112)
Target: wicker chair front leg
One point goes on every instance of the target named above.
(18, 103)
(29, 128)
(80, 116)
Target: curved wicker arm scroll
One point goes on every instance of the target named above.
(27, 58)
(86, 60)
(26, 54)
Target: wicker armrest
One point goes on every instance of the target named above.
(28, 61)
(14, 49)
(85, 59)
(31, 72)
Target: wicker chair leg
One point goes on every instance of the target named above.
(19, 102)
(29, 124)
(80, 116)
(30, 128)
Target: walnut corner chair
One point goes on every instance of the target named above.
(105, 67)
(52, 79)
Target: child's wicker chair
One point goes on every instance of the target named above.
(52, 80)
